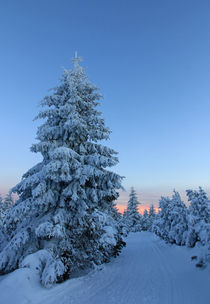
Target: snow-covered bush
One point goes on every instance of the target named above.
(132, 217)
(199, 224)
(65, 213)
(162, 223)
(204, 255)
(178, 217)
(177, 224)
(198, 217)
(171, 222)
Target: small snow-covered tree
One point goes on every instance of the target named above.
(171, 222)
(162, 223)
(64, 217)
(1, 209)
(8, 201)
(156, 222)
(178, 217)
(1, 220)
(152, 212)
(5, 205)
(131, 215)
(151, 217)
(144, 220)
(198, 218)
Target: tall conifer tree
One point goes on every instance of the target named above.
(64, 218)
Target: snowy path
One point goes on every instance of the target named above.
(147, 272)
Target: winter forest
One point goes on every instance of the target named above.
(104, 182)
(65, 218)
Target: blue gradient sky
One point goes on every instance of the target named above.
(151, 60)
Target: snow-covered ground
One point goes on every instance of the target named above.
(148, 271)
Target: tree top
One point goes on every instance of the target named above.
(76, 60)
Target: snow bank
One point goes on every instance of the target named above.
(20, 287)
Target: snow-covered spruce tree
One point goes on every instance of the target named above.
(162, 223)
(144, 220)
(8, 201)
(198, 218)
(156, 223)
(1, 209)
(5, 205)
(178, 217)
(171, 222)
(131, 216)
(151, 217)
(63, 220)
(1, 221)
(118, 216)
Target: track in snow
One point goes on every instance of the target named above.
(148, 271)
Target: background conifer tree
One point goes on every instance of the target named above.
(1, 209)
(5, 205)
(131, 215)
(144, 221)
(151, 217)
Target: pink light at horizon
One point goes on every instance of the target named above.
(141, 208)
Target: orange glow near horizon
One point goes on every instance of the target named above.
(141, 208)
